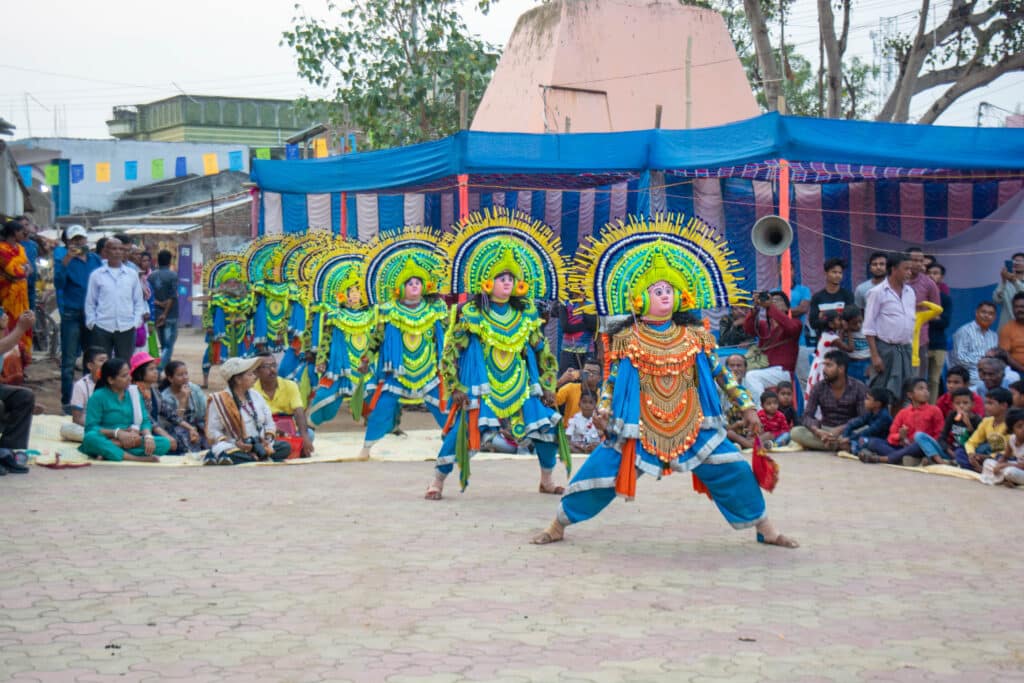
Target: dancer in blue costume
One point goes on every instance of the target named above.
(660, 408)
(342, 327)
(228, 315)
(402, 276)
(496, 359)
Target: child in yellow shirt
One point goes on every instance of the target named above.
(990, 436)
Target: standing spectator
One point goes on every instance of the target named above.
(973, 340)
(28, 243)
(840, 399)
(860, 357)
(1011, 283)
(577, 337)
(18, 404)
(164, 284)
(14, 272)
(799, 305)
(114, 306)
(876, 273)
(834, 297)
(925, 289)
(937, 344)
(889, 327)
(830, 339)
(72, 267)
(1011, 335)
(778, 338)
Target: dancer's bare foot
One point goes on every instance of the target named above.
(769, 535)
(434, 490)
(364, 454)
(547, 484)
(553, 534)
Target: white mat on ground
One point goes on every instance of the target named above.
(418, 445)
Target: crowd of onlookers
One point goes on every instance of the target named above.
(880, 373)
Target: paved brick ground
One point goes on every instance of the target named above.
(343, 573)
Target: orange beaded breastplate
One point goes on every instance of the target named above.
(670, 412)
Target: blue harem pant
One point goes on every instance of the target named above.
(727, 475)
(384, 417)
(547, 452)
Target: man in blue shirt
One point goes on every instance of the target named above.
(72, 266)
(164, 285)
(114, 305)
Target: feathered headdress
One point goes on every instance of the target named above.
(611, 273)
(498, 241)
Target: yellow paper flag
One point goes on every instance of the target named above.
(210, 164)
(320, 148)
(103, 172)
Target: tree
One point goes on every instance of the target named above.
(395, 67)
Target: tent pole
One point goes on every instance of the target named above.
(787, 263)
(463, 196)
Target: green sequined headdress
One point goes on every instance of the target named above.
(222, 268)
(500, 240)
(299, 255)
(611, 273)
(339, 269)
(261, 257)
(395, 257)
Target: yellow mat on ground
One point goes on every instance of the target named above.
(944, 470)
(418, 445)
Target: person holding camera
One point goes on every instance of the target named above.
(778, 337)
(73, 264)
(239, 424)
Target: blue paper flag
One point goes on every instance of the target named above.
(131, 170)
(235, 161)
(180, 167)
(77, 173)
(26, 175)
(352, 142)
(291, 152)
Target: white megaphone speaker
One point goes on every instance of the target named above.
(771, 235)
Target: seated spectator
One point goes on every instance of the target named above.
(1011, 283)
(730, 329)
(572, 384)
(500, 441)
(972, 340)
(1008, 467)
(992, 373)
(1009, 374)
(1012, 335)
(240, 426)
(145, 375)
(874, 423)
(778, 338)
(860, 356)
(117, 424)
(786, 407)
(830, 339)
(81, 391)
(1017, 391)
(285, 402)
(958, 378)
(958, 427)
(773, 420)
(833, 402)
(990, 436)
(183, 409)
(18, 406)
(903, 445)
(583, 436)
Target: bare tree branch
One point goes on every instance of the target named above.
(971, 82)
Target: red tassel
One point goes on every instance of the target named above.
(766, 470)
(700, 487)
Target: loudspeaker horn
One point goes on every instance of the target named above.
(771, 235)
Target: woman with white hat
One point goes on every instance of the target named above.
(240, 427)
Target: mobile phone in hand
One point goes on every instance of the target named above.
(1008, 265)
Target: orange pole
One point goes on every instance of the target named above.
(463, 196)
(787, 262)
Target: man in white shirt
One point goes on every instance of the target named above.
(114, 305)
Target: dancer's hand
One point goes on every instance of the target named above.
(548, 398)
(751, 420)
(600, 421)
(459, 399)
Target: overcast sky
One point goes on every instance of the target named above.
(67, 64)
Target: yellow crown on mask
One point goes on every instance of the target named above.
(411, 269)
(658, 270)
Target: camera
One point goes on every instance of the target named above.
(258, 449)
(763, 297)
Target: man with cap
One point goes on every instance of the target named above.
(72, 266)
(239, 424)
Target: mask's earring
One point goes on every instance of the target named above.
(487, 286)
(521, 288)
(640, 303)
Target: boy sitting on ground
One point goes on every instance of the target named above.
(902, 446)
(990, 436)
(583, 436)
(773, 421)
(960, 424)
(93, 360)
(874, 423)
(958, 378)
(786, 407)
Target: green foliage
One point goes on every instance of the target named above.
(394, 67)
